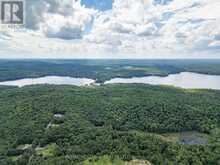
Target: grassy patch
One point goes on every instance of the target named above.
(47, 151)
(171, 137)
(138, 162)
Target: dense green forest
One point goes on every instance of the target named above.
(68, 125)
(102, 70)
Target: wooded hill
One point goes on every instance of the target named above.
(62, 125)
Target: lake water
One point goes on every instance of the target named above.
(56, 80)
(184, 80)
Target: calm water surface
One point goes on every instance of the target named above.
(184, 80)
(56, 80)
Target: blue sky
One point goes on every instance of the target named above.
(115, 29)
(101, 5)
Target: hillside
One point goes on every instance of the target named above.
(49, 125)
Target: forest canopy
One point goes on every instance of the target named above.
(47, 124)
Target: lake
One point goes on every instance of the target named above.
(55, 80)
(186, 80)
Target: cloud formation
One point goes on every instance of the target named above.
(65, 19)
(132, 28)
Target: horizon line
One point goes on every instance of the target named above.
(187, 58)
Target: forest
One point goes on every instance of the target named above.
(69, 125)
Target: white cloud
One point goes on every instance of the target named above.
(65, 19)
(142, 28)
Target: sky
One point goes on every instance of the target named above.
(115, 29)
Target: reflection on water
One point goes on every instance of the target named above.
(184, 80)
(56, 80)
(193, 138)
